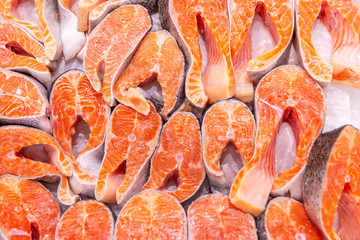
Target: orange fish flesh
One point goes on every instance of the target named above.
(226, 122)
(279, 18)
(72, 99)
(130, 142)
(214, 217)
(33, 154)
(331, 183)
(27, 210)
(286, 94)
(151, 215)
(177, 167)
(23, 100)
(185, 20)
(20, 52)
(286, 218)
(110, 46)
(341, 18)
(159, 57)
(89, 220)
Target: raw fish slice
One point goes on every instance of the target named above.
(279, 18)
(34, 154)
(48, 32)
(73, 99)
(21, 52)
(9, 10)
(130, 142)
(286, 218)
(158, 56)
(91, 12)
(342, 21)
(214, 217)
(177, 167)
(27, 210)
(286, 94)
(23, 101)
(72, 40)
(90, 220)
(226, 122)
(185, 19)
(111, 45)
(331, 183)
(151, 215)
(47, 12)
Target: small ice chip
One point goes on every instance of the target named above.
(132, 138)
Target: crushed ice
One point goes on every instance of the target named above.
(204, 54)
(63, 66)
(261, 39)
(285, 149)
(156, 24)
(293, 57)
(341, 106)
(152, 90)
(322, 41)
(81, 137)
(230, 162)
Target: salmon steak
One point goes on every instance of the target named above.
(68, 29)
(278, 17)
(177, 167)
(331, 183)
(74, 100)
(151, 215)
(158, 57)
(86, 220)
(48, 31)
(286, 218)
(19, 51)
(23, 100)
(34, 154)
(185, 20)
(111, 45)
(286, 94)
(91, 12)
(130, 142)
(214, 217)
(27, 210)
(342, 22)
(228, 122)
